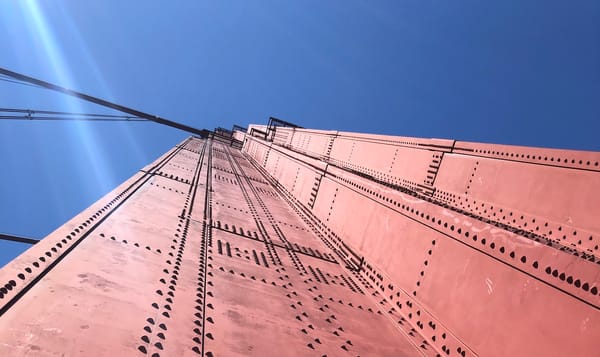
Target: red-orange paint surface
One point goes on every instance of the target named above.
(322, 243)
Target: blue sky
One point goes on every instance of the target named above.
(513, 72)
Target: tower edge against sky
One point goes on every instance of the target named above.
(310, 242)
(515, 229)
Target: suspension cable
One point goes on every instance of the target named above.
(23, 78)
(13, 238)
(31, 114)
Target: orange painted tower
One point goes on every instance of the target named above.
(282, 241)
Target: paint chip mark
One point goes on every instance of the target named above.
(490, 285)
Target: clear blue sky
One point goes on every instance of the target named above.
(515, 72)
